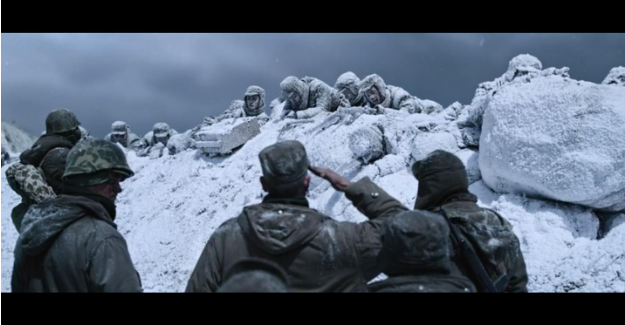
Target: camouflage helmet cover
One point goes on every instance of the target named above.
(91, 160)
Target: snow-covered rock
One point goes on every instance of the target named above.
(223, 137)
(559, 139)
(521, 69)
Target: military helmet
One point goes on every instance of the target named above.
(160, 130)
(61, 120)
(119, 127)
(90, 161)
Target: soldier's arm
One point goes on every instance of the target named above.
(53, 166)
(26, 156)
(234, 110)
(324, 97)
(409, 106)
(514, 262)
(407, 103)
(378, 206)
(144, 152)
(286, 109)
(208, 120)
(323, 103)
(517, 271)
(147, 139)
(206, 276)
(344, 102)
(137, 144)
(110, 268)
(20, 273)
(226, 115)
(29, 180)
(371, 200)
(375, 204)
(233, 114)
(308, 113)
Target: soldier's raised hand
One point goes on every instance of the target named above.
(337, 181)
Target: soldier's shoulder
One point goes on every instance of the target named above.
(228, 226)
(318, 84)
(56, 153)
(495, 218)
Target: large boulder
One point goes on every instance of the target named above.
(559, 139)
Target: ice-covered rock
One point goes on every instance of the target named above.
(221, 138)
(557, 138)
(367, 143)
(521, 69)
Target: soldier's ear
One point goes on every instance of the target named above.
(306, 183)
(415, 169)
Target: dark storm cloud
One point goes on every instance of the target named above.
(180, 78)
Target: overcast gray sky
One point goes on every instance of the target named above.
(180, 78)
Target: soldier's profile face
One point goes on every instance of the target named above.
(162, 140)
(374, 95)
(84, 135)
(520, 73)
(252, 102)
(119, 137)
(348, 94)
(295, 98)
(111, 188)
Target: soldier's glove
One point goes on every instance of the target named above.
(285, 113)
(209, 120)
